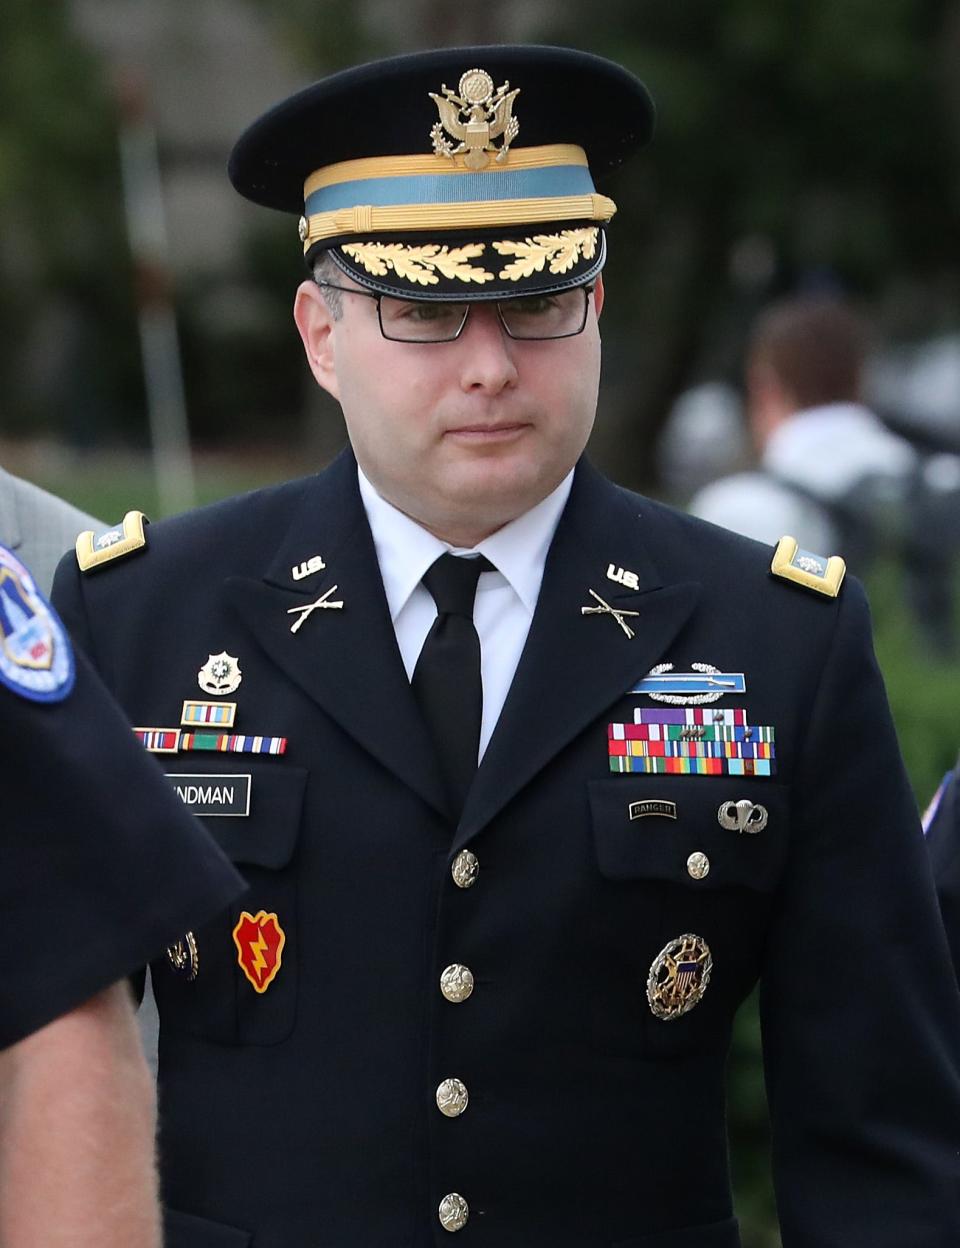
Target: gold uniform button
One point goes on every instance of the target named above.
(456, 983)
(452, 1098)
(465, 868)
(698, 866)
(454, 1212)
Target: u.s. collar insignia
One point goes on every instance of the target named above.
(36, 660)
(679, 976)
(475, 117)
(93, 550)
(817, 572)
(259, 939)
(220, 674)
(704, 683)
(307, 567)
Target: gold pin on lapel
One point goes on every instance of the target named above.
(605, 609)
(629, 580)
(308, 610)
(220, 674)
(184, 957)
(307, 567)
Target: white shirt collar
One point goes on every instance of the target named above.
(518, 551)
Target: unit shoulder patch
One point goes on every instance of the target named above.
(94, 550)
(821, 573)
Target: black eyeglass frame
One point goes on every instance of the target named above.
(587, 289)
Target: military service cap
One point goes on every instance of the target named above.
(455, 173)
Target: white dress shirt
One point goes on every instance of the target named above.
(506, 599)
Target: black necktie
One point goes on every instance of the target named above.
(446, 679)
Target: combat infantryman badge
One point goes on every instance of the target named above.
(220, 674)
(705, 683)
(259, 939)
(679, 976)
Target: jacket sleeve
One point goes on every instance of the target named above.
(860, 1010)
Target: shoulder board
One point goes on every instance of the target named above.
(820, 573)
(93, 550)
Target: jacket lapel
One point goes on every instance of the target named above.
(345, 658)
(573, 665)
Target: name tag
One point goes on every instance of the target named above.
(213, 794)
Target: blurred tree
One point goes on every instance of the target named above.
(823, 131)
(798, 142)
(68, 343)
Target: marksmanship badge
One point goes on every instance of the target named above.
(36, 660)
(475, 117)
(679, 976)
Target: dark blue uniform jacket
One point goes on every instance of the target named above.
(304, 1116)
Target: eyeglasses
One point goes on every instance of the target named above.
(528, 318)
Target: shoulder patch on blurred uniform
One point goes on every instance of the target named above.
(96, 549)
(822, 573)
(36, 659)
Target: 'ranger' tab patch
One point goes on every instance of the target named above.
(96, 549)
(818, 572)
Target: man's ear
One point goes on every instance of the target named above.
(598, 295)
(315, 323)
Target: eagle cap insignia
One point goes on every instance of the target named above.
(475, 117)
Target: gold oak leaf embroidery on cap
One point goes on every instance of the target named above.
(419, 264)
(562, 251)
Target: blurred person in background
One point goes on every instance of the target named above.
(829, 471)
(39, 526)
(497, 934)
(101, 869)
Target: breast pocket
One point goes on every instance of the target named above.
(235, 980)
(691, 857)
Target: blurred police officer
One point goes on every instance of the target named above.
(101, 869)
(496, 1002)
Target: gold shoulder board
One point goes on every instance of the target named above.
(96, 549)
(816, 572)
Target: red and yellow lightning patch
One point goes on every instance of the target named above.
(259, 939)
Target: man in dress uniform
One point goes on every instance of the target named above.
(494, 1002)
(101, 869)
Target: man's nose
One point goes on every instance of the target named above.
(488, 351)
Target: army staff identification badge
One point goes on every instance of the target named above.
(679, 976)
(259, 939)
